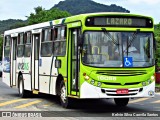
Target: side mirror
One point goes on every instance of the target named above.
(57, 63)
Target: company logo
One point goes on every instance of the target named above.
(23, 66)
(107, 78)
(6, 114)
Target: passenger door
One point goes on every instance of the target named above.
(13, 61)
(74, 66)
(35, 60)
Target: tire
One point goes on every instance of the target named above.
(121, 102)
(65, 101)
(22, 93)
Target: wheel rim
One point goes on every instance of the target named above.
(63, 94)
(20, 87)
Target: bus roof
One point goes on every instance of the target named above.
(79, 17)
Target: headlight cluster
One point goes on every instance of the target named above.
(96, 83)
(92, 82)
(86, 77)
(145, 83)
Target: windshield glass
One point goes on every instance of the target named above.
(116, 48)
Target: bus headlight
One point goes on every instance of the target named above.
(144, 83)
(149, 81)
(92, 82)
(152, 78)
(99, 84)
(86, 77)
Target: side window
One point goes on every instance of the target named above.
(27, 39)
(7, 46)
(47, 43)
(20, 51)
(60, 34)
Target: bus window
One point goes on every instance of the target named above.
(20, 51)
(7, 41)
(28, 37)
(47, 43)
(27, 51)
(7, 46)
(59, 48)
(55, 33)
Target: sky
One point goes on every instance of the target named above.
(19, 9)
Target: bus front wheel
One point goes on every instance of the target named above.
(121, 102)
(65, 101)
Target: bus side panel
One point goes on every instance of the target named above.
(47, 79)
(6, 71)
(26, 71)
(6, 78)
(27, 82)
(54, 75)
(23, 66)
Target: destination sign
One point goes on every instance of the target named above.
(119, 21)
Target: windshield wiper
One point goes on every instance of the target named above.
(132, 39)
(110, 36)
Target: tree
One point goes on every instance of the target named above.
(42, 15)
(18, 24)
(157, 37)
(39, 9)
(157, 30)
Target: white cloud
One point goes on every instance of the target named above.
(150, 2)
(144, 7)
(18, 9)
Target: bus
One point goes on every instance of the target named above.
(86, 56)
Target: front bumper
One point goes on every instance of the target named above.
(89, 91)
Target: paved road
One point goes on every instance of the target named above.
(10, 101)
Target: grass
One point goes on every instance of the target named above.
(157, 84)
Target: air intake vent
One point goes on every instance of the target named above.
(133, 83)
(112, 92)
(122, 72)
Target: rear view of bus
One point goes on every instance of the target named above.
(117, 58)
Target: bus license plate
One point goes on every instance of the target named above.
(122, 91)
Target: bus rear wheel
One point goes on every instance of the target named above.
(121, 102)
(65, 101)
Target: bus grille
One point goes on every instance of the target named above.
(122, 72)
(131, 92)
(132, 83)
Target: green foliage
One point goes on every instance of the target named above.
(157, 84)
(18, 24)
(157, 30)
(87, 6)
(42, 15)
(6, 24)
(157, 37)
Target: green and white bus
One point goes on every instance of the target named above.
(96, 55)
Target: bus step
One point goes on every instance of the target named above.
(35, 92)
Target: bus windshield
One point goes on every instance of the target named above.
(100, 50)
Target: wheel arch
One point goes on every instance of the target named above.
(20, 73)
(58, 81)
